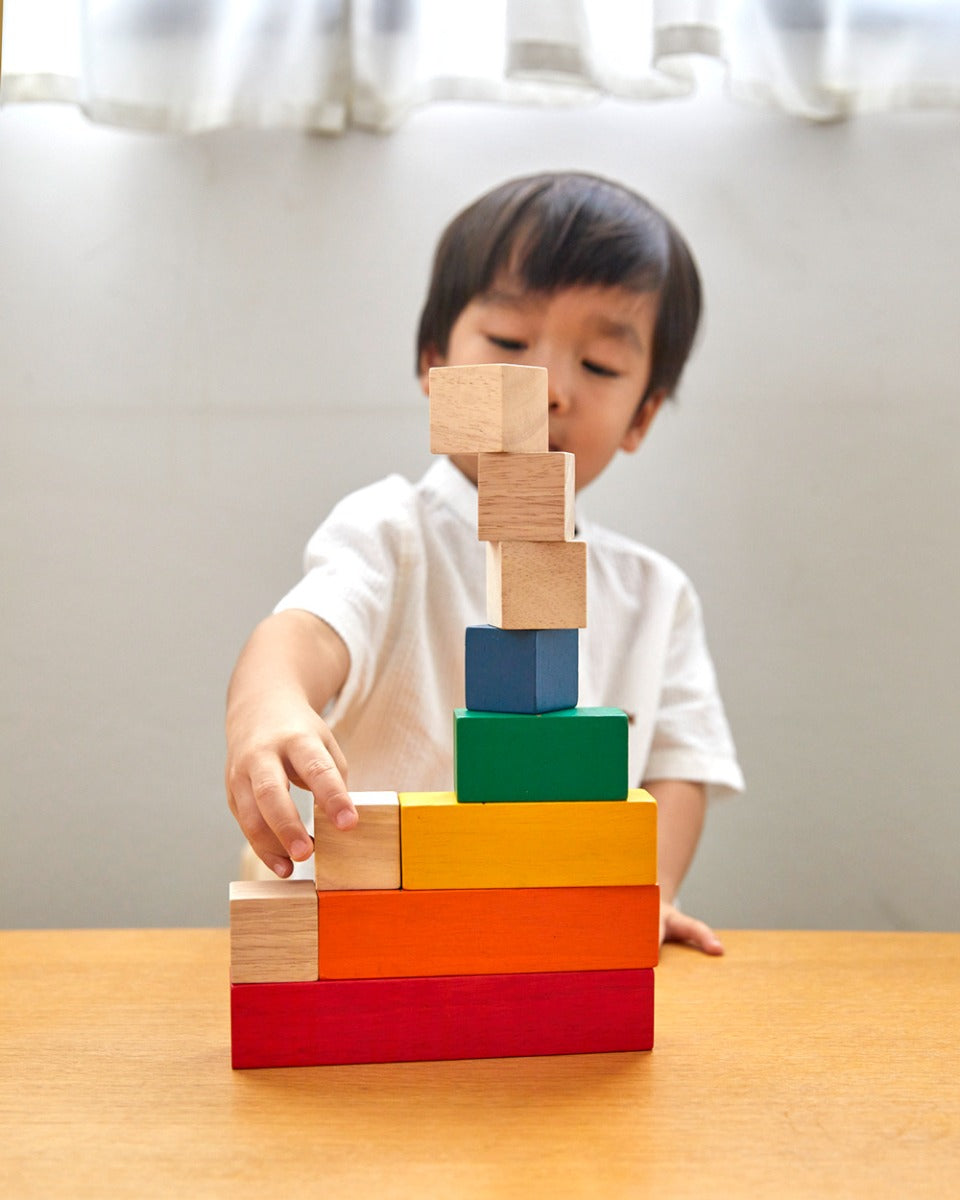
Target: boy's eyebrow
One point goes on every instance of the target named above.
(507, 299)
(623, 331)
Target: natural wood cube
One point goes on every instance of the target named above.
(367, 856)
(273, 931)
(525, 497)
(537, 585)
(492, 407)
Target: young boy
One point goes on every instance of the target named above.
(363, 660)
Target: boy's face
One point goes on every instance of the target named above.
(595, 343)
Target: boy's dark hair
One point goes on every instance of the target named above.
(560, 230)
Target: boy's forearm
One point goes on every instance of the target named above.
(681, 807)
(289, 652)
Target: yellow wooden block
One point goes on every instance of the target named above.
(537, 585)
(366, 857)
(273, 931)
(525, 497)
(572, 844)
(492, 407)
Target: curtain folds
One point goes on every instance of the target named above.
(330, 65)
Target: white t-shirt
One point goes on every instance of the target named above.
(397, 570)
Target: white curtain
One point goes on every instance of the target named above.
(328, 65)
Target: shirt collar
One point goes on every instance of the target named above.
(453, 487)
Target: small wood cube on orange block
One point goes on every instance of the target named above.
(494, 407)
(537, 585)
(273, 931)
(467, 931)
(367, 856)
(525, 498)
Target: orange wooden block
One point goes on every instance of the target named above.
(401, 934)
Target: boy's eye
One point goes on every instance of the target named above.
(596, 368)
(507, 343)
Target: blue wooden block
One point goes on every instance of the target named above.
(521, 670)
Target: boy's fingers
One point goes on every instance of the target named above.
(705, 939)
(261, 838)
(681, 928)
(322, 769)
(274, 805)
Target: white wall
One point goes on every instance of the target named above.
(203, 343)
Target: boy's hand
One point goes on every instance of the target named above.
(290, 668)
(681, 805)
(261, 765)
(676, 926)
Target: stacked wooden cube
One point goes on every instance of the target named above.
(518, 914)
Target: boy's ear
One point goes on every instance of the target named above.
(429, 357)
(642, 420)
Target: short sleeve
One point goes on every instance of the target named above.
(351, 567)
(691, 736)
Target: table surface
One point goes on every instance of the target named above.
(801, 1064)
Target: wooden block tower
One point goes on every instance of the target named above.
(519, 913)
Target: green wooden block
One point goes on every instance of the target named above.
(572, 754)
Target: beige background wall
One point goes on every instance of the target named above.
(203, 343)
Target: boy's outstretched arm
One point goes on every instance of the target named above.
(681, 807)
(291, 667)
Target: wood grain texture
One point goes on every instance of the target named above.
(799, 1065)
(367, 856)
(537, 585)
(378, 935)
(447, 1017)
(573, 754)
(273, 930)
(525, 497)
(494, 407)
(572, 844)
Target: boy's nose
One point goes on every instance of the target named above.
(558, 392)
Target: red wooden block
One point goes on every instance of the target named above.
(443, 1017)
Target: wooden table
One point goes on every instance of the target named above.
(802, 1064)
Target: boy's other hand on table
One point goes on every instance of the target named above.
(676, 926)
